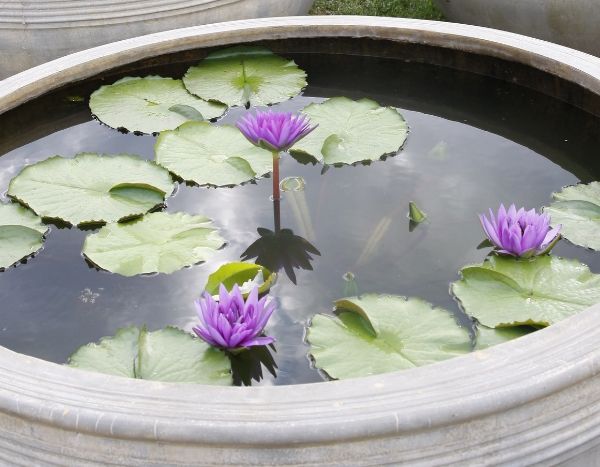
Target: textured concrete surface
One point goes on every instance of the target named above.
(34, 32)
(534, 401)
(573, 23)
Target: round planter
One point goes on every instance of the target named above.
(573, 23)
(36, 32)
(531, 401)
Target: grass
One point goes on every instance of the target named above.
(423, 9)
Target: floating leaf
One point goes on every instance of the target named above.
(380, 333)
(240, 273)
(21, 234)
(245, 75)
(159, 242)
(168, 354)
(539, 291)
(210, 154)
(149, 105)
(488, 337)
(577, 209)
(91, 188)
(415, 214)
(352, 131)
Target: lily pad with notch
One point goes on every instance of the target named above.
(150, 105)
(21, 234)
(245, 75)
(211, 155)
(169, 354)
(352, 131)
(374, 334)
(577, 209)
(92, 188)
(159, 242)
(537, 292)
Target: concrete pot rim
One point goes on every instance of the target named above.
(443, 394)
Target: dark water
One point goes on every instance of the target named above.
(474, 142)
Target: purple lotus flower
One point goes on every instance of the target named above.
(230, 323)
(274, 131)
(520, 233)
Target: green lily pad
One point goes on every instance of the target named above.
(245, 75)
(91, 188)
(168, 354)
(210, 154)
(540, 291)
(242, 274)
(21, 234)
(577, 209)
(149, 105)
(488, 337)
(352, 131)
(159, 242)
(375, 334)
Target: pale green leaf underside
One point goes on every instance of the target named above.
(21, 233)
(159, 242)
(238, 273)
(91, 188)
(352, 131)
(400, 333)
(210, 154)
(149, 105)
(168, 354)
(577, 209)
(242, 75)
(488, 337)
(541, 291)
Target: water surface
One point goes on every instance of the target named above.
(474, 142)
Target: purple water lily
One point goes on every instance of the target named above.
(274, 131)
(232, 323)
(520, 233)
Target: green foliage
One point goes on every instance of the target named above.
(245, 75)
(488, 337)
(422, 9)
(149, 105)
(91, 188)
(352, 131)
(159, 242)
(375, 334)
(577, 209)
(240, 273)
(211, 155)
(168, 354)
(504, 291)
(21, 233)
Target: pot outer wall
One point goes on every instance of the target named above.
(573, 23)
(532, 401)
(34, 32)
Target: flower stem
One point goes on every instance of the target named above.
(276, 194)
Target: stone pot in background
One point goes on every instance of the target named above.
(34, 32)
(573, 23)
